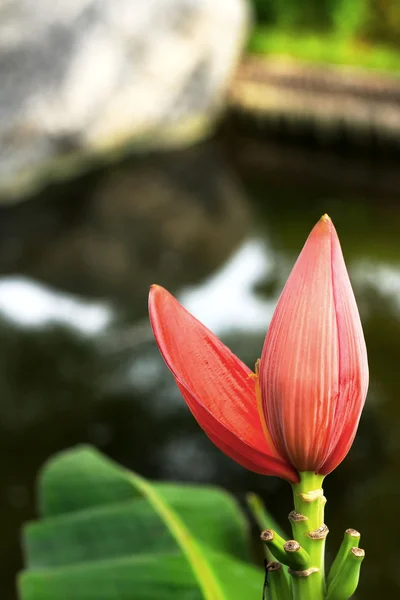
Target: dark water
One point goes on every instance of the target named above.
(220, 226)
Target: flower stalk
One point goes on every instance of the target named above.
(310, 531)
(305, 555)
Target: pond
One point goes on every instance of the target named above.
(220, 226)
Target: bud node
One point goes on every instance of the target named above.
(267, 535)
(353, 533)
(296, 517)
(358, 552)
(319, 534)
(305, 573)
(312, 496)
(292, 546)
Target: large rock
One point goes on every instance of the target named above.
(87, 76)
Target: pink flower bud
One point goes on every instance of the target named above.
(300, 412)
(314, 369)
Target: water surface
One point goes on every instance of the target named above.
(220, 226)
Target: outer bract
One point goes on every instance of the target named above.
(218, 388)
(314, 370)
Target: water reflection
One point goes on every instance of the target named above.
(29, 304)
(380, 278)
(77, 358)
(226, 300)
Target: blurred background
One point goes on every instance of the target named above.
(194, 144)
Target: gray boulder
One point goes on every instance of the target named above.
(85, 77)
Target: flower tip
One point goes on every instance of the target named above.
(156, 293)
(325, 222)
(324, 226)
(156, 289)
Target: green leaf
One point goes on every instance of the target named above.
(108, 534)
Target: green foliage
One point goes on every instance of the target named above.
(307, 14)
(348, 17)
(382, 21)
(107, 534)
(318, 48)
(377, 20)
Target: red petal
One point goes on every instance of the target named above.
(215, 384)
(353, 364)
(313, 371)
(232, 446)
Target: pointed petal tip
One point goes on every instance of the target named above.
(152, 290)
(157, 293)
(155, 287)
(157, 297)
(325, 223)
(324, 227)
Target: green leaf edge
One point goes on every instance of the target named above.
(204, 574)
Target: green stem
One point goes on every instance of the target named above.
(310, 531)
(345, 582)
(289, 553)
(351, 539)
(264, 520)
(275, 544)
(297, 558)
(304, 587)
(278, 584)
